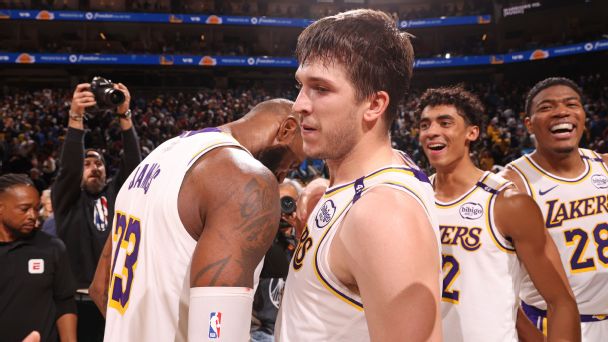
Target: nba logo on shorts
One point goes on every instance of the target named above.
(215, 320)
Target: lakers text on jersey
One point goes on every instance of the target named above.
(576, 216)
(481, 272)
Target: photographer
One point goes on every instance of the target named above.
(276, 265)
(83, 201)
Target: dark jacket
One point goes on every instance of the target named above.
(74, 208)
(36, 287)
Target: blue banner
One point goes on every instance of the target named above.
(446, 21)
(192, 60)
(152, 18)
(252, 61)
(521, 56)
(216, 19)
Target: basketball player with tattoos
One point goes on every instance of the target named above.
(192, 223)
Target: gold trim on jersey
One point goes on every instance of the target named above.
(352, 302)
(210, 147)
(575, 180)
(527, 182)
(336, 292)
(340, 188)
(490, 219)
(602, 163)
(448, 205)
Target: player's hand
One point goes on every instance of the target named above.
(125, 105)
(290, 218)
(306, 202)
(82, 99)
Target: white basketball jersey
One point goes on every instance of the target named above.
(481, 272)
(151, 249)
(316, 306)
(576, 215)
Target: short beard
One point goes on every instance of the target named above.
(339, 142)
(271, 157)
(17, 234)
(565, 150)
(93, 188)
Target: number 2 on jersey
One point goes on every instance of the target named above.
(127, 233)
(451, 271)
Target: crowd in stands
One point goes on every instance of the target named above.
(188, 43)
(33, 124)
(176, 41)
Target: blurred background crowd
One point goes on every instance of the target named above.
(34, 123)
(169, 99)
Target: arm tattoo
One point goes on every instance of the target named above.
(260, 222)
(256, 200)
(217, 267)
(257, 210)
(252, 227)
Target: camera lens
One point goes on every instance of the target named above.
(114, 96)
(288, 205)
(105, 95)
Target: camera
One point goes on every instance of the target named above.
(105, 95)
(288, 205)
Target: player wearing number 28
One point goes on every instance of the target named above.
(570, 185)
(487, 229)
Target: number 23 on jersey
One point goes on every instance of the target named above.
(126, 235)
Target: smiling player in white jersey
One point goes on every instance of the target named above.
(570, 185)
(484, 235)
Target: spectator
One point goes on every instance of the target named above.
(36, 284)
(46, 213)
(39, 182)
(486, 162)
(83, 201)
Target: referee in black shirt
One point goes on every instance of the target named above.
(36, 284)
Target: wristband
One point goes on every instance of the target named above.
(125, 116)
(75, 117)
(220, 313)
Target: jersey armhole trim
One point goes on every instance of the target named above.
(525, 179)
(327, 284)
(500, 240)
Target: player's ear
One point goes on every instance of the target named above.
(287, 130)
(378, 102)
(472, 132)
(528, 123)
